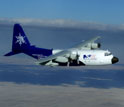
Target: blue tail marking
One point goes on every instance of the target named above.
(20, 41)
(21, 44)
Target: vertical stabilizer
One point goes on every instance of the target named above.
(21, 44)
(20, 41)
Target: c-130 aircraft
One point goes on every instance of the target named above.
(85, 53)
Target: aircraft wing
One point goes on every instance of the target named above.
(52, 57)
(83, 44)
(67, 52)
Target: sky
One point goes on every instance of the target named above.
(100, 11)
(84, 17)
(63, 23)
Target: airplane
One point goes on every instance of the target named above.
(85, 53)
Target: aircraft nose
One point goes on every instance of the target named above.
(114, 60)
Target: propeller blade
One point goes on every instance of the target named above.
(68, 64)
(77, 58)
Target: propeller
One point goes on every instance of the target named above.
(70, 60)
(77, 58)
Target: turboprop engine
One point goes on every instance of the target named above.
(69, 58)
(93, 45)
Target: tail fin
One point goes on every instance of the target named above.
(20, 41)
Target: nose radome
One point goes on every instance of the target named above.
(114, 60)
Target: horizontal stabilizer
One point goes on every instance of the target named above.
(11, 53)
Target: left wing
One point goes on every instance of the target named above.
(52, 57)
(67, 52)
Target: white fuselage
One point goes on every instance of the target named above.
(87, 57)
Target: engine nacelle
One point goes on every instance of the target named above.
(93, 45)
(61, 59)
(73, 56)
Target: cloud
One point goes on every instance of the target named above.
(27, 95)
(63, 24)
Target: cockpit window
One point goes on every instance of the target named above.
(108, 54)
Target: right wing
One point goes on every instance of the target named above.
(83, 44)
